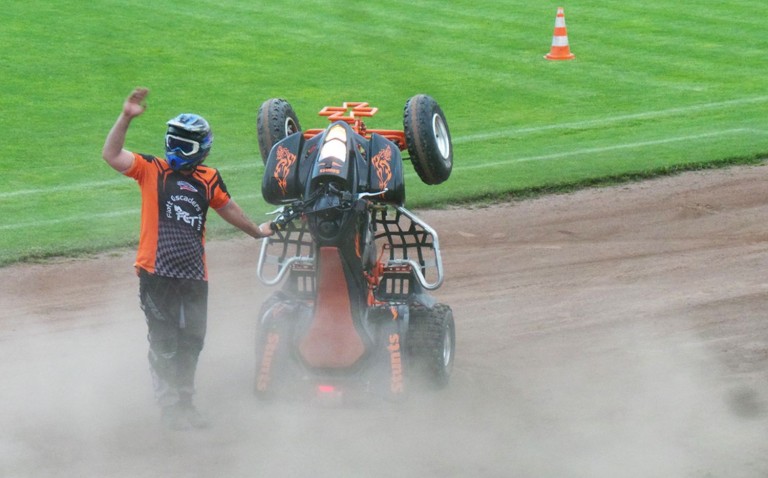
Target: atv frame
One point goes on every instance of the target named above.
(354, 312)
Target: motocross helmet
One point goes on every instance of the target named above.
(187, 141)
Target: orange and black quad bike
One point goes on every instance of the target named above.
(353, 314)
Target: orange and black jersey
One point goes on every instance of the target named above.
(174, 207)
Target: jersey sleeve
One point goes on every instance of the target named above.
(141, 164)
(219, 194)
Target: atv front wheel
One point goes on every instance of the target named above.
(432, 342)
(275, 121)
(428, 139)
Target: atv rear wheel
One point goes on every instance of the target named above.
(275, 121)
(432, 342)
(428, 139)
(272, 334)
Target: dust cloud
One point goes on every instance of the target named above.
(613, 332)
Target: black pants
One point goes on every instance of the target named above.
(176, 312)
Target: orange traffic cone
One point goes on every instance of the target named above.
(560, 49)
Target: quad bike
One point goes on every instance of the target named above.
(354, 313)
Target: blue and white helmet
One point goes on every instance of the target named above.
(187, 141)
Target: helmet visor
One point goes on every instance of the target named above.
(184, 146)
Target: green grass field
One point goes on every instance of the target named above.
(655, 87)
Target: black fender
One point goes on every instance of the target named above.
(282, 181)
(385, 170)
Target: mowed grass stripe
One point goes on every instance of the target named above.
(461, 139)
(413, 177)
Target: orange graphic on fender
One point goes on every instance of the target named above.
(382, 163)
(285, 161)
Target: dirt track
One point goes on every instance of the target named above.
(616, 332)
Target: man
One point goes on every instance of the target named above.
(176, 194)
